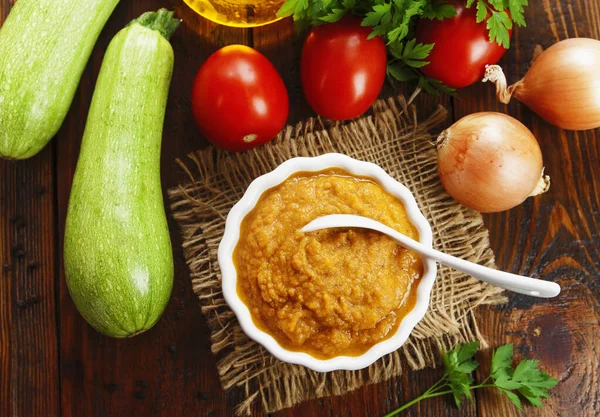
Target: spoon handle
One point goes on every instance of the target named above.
(506, 280)
(502, 279)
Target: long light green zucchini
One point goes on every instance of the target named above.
(44, 48)
(118, 256)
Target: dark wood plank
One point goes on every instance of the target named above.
(169, 370)
(28, 334)
(552, 236)
(29, 383)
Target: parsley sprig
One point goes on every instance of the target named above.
(395, 21)
(406, 58)
(498, 22)
(525, 379)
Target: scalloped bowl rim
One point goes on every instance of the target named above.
(232, 234)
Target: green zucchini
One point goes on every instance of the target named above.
(117, 248)
(44, 48)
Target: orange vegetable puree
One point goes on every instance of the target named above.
(331, 292)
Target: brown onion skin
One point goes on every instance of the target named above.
(562, 83)
(489, 181)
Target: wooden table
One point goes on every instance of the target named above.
(53, 364)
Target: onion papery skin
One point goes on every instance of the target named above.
(490, 162)
(562, 86)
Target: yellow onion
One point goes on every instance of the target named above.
(562, 86)
(490, 162)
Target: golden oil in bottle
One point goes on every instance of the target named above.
(238, 13)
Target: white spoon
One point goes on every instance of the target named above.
(506, 280)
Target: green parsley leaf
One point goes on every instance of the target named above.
(302, 5)
(467, 366)
(400, 72)
(288, 8)
(334, 16)
(392, 18)
(438, 10)
(516, 11)
(398, 33)
(482, 11)
(526, 378)
(374, 17)
(493, 12)
(414, 10)
(435, 87)
(502, 361)
(459, 361)
(410, 50)
(467, 351)
(514, 398)
(533, 399)
(498, 5)
(506, 383)
(498, 24)
(396, 49)
(377, 31)
(460, 384)
(525, 370)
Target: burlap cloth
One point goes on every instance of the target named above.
(391, 138)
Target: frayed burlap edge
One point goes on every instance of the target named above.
(391, 138)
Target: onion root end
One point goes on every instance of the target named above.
(442, 138)
(494, 74)
(542, 186)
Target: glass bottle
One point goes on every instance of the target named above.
(238, 13)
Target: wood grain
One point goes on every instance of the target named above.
(28, 330)
(53, 364)
(29, 383)
(551, 236)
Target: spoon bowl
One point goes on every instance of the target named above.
(508, 281)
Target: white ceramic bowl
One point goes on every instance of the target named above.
(232, 234)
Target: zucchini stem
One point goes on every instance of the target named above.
(161, 21)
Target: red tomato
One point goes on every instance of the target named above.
(342, 71)
(462, 47)
(239, 99)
